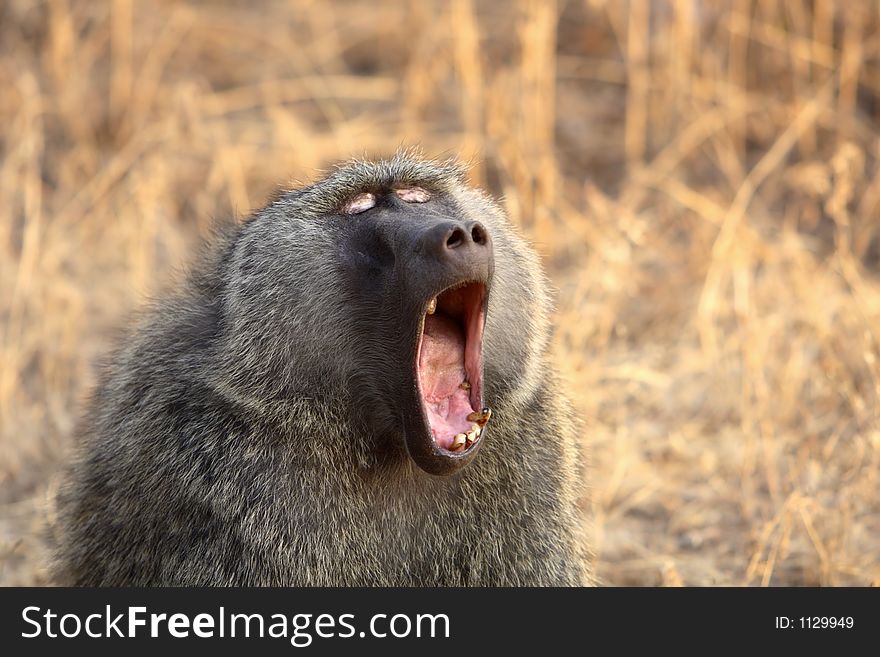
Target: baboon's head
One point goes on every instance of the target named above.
(370, 292)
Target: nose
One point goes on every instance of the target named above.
(458, 240)
(471, 235)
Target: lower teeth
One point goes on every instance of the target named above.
(461, 440)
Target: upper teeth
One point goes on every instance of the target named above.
(432, 306)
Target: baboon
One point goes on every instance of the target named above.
(351, 388)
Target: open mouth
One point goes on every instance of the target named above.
(449, 364)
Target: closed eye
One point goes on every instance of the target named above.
(413, 194)
(360, 203)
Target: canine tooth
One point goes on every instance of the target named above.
(458, 442)
(432, 306)
(480, 417)
(464, 385)
(476, 428)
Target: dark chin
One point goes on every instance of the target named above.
(422, 448)
(429, 457)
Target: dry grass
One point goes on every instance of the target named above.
(703, 179)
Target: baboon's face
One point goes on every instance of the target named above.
(360, 301)
(419, 272)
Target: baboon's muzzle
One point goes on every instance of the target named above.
(453, 262)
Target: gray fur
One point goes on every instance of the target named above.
(227, 442)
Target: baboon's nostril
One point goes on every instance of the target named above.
(455, 239)
(478, 234)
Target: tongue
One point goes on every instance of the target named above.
(441, 371)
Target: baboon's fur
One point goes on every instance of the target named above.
(226, 443)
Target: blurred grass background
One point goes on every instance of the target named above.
(701, 179)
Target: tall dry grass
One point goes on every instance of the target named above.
(702, 178)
